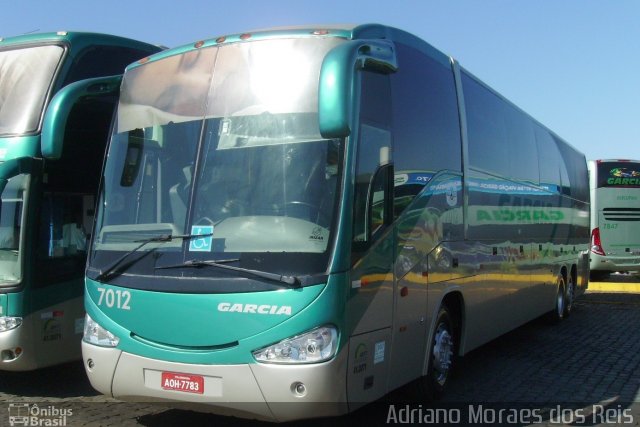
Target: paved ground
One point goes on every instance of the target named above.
(585, 370)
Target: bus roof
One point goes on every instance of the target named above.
(616, 160)
(347, 31)
(77, 39)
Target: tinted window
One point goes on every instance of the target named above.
(576, 170)
(375, 101)
(501, 137)
(98, 61)
(425, 120)
(488, 147)
(521, 144)
(373, 148)
(549, 159)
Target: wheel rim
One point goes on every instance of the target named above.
(442, 353)
(570, 295)
(560, 299)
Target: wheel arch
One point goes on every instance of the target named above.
(454, 301)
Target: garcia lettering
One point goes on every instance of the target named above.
(278, 310)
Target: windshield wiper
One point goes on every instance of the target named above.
(116, 268)
(292, 281)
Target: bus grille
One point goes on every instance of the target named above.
(621, 214)
(206, 348)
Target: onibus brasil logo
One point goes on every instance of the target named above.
(25, 414)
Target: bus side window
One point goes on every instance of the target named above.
(373, 165)
(426, 127)
(98, 61)
(61, 231)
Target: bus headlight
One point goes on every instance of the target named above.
(315, 346)
(7, 323)
(97, 335)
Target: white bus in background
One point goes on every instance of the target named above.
(615, 216)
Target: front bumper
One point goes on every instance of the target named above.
(260, 391)
(16, 349)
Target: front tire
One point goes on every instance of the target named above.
(441, 355)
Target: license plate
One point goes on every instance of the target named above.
(182, 382)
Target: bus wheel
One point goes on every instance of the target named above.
(570, 295)
(557, 314)
(441, 354)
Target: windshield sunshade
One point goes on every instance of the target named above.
(222, 142)
(25, 77)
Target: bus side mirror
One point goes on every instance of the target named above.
(135, 145)
(57, 114)
(337, 78)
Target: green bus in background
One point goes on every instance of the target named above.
(56, 106)
(292, 223)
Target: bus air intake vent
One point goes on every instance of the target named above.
(621, 214)
(174, 347)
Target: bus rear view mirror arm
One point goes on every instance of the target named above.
(337, 80)
(55, 119)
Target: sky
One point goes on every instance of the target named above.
(571, 64)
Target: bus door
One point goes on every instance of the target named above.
(370, 304)
(424, 265)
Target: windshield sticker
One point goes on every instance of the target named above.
(52, 328)
(201, 244)
(360, 360)
(378, 355)
(316, 235)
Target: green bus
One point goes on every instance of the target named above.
(56, 106)
(293, 222)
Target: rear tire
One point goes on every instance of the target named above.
(570, 295)
(557, 314)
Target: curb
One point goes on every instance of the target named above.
(630, 288)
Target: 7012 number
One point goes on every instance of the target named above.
(118, 299)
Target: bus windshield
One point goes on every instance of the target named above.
(25, 77)
(11, 213)
(224, 142)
